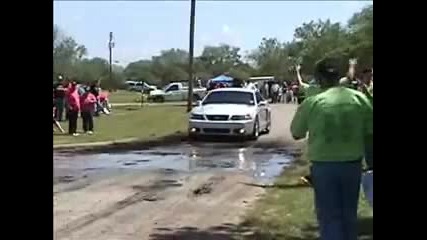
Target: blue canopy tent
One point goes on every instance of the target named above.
(222, 78)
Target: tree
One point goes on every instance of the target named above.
(141, 71)
(312, 41)
(271, 58)
(66, 53)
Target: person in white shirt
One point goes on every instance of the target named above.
(252, 86)
(275, 92)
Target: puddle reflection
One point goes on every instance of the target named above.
(260, 163)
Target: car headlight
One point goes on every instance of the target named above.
(241, 117)
(197, 116)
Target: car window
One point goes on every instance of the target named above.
(258, 97)
(172, 88)
(229, 97)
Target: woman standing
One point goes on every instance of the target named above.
(87, 101)
(73, 102)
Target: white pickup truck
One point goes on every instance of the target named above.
(176, 91)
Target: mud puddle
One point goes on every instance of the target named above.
(262, 164)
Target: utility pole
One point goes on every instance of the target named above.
(110, 48)
(191, 53)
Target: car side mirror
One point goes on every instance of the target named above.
(262, 103)
(198, 103)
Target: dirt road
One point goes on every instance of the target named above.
(162, 193)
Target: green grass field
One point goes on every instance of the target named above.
(123, 96)
(145, 123)
(286, 212)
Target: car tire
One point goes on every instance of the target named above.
(192, 137)
(255, 132)
(158, 99)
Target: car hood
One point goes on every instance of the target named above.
(225, 109)
(155, 92)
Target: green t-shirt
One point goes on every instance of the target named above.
(338, 121)
(310, 90)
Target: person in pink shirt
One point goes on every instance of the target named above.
(87, 101)
(73, 102)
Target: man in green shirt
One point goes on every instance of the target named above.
(307, 90)
(366, 86)
(338, 122)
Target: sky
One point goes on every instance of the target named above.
(143, 28)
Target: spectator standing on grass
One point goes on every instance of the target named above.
(55, 122)
(338, 120)
(59, 96)
(87, 101)
(275, 92)
(73, 100)
(66, 84)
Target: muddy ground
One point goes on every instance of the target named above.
(164, 192)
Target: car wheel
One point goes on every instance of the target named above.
(255, 132)
(192, 137)
(158, 99)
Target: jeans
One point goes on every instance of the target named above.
(59, 111)
(87, 121)
(369, 155)
(72, 121)
(336, 190)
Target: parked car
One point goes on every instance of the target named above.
(176, 91)
(139, 86)
(231, 112)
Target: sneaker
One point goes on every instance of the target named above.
(89, 132)
(76, 134)
(307, 180)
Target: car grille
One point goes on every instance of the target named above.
(217, 117)
(216, 130)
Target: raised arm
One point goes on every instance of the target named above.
(299, 77)
(352, 68)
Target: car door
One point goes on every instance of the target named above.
(172, 93)
(262, 110)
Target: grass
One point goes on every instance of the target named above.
(287, 210)
(146, 123)
(123, 96)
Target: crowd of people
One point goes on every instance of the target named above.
(337, 115)
(71, 99)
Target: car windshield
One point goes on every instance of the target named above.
(229, 97)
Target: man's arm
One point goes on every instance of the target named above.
(299, 124)
(352, 69)
(299, 77)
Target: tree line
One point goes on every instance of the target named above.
(312, 41)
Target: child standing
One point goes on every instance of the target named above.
(87, 100)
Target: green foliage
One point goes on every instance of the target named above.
(312, 41)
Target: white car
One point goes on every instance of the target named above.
(231, 112)
(176, 91)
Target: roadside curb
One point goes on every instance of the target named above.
(121, 144)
